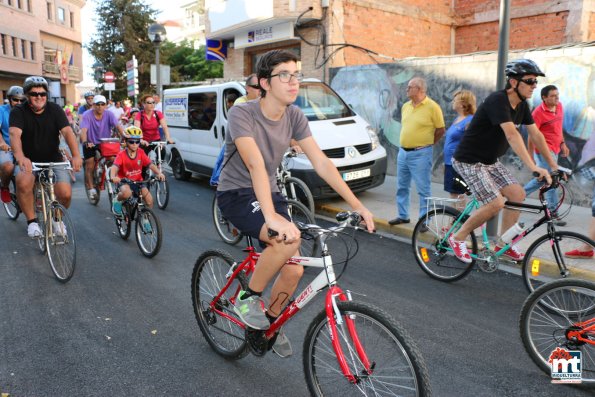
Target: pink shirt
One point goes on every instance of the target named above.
(550, 125)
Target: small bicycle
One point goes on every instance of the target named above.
(58, 239)
(108, 149)
(291, 187)
(559, 317)
(350, 348)
(12, 208)
(544, 260)
(148, 230)
(161, 188)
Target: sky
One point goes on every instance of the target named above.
(169, 9)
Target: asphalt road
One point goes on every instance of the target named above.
(124, 324)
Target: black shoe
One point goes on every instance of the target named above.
(423, 228)
(398, 221)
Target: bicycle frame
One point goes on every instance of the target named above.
(158, 146)
(44, 184)
(326, 278)
(580, 330)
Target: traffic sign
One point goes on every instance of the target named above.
(109, 77)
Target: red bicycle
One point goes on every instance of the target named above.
(108, 148)
(350, 348)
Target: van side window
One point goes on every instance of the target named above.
(230, 95)
(202, 110)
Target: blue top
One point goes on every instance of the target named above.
(454, 134)
(4, 112)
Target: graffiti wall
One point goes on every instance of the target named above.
(377, 93)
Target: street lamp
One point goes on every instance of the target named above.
(157, 35)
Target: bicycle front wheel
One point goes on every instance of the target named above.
(299, 191)
(162, 193)
(396, 367)
(12, 208)
(298, 212)
(60, 243)
(552, 317)
(431, 250)
(548, 260)
(148, 233)
(223, 333)
(225, 229)
(124, 222)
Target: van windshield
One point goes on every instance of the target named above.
(319, 102)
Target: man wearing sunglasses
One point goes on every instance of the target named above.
(489, 135)
(95, 125)
(15, 95)
(35, 128)
(252, 90)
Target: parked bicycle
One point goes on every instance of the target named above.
(148, 232)
(560, 316)
(544, 259)
(161, 187)
(108, 148)
(350, 347)
(58, 239)
(12, 208)
(291, 187)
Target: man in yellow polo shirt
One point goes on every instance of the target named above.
(422, 125)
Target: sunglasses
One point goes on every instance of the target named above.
(529, 81)
(17, 100)
(149, 103)
(133, 141)
(100, 104)
(38, 94)
(254, 85)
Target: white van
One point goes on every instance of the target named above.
(197, 121)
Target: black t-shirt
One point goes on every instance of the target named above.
(41, 132)
(484, 140)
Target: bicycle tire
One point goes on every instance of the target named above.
(124, 222)
(60, 243)
(225, 337)
(162, 193)
(543, 329)
(93, 200)
(12, 208)
(298, 190)
(396, 359)
(541, 261)
(40, 215)
(148, 240)
(225, 229)
(298, 212)
(436, 259)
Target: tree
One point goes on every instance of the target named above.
(188, 64)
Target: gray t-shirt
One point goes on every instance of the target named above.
(272, 138)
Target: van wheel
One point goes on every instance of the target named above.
(178, 169)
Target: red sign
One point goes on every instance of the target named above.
(109, 77)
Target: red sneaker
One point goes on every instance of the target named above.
(577, 254)
(5, 195)
(460, 249)
(513, 253)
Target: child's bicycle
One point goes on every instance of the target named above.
(148, 230)
(544, 259)
(350, 348)
(157, 148)
(558, 318)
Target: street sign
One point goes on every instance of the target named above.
(132, 77)
(109, 86)
(109, 77)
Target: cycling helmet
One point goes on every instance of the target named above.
(133, 132)
(34, 81)
(88, 94)
(16, 92)
(522, 67)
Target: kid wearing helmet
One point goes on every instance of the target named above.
(128, 165)
(487, 137)
(15, 96)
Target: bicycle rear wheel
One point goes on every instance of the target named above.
(124, 222)
(162, 193)
(298, 212)
(546, 262)
(225, 229)
(148, 233)
(299, 191)
(224, 336)
(60, 243)
(431, 250)
(550, 314)
(397, 365)
(12, 208)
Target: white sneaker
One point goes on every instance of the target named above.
(92, 193)
(33, 230)
(59, 229)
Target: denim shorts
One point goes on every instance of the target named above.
(61, 174)
(240, 207)
(6, 157)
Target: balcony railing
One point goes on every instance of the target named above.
(52, 69)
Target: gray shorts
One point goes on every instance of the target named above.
(61, 174)
(485, 181)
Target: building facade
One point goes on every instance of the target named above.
(43, 38)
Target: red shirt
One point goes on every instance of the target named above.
(131, 168)
(550, 125)
(149, 125)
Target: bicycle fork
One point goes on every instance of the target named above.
(335, 319)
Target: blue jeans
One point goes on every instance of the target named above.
(551, 195)
(416, 165)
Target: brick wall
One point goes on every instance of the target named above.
(591, 35)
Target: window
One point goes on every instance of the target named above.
(49, 55)
(50, 9)
(32, 50)
(14, 46)
(20, 4)
(29, 7)
(202, 110)
(61, 15)
(72, 19)
(24, 49)
(9, 2)
(3, 44)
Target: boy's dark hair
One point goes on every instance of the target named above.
(269, 61)
(545, 91)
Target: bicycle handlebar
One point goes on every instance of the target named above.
(344, 218)
(43, 166)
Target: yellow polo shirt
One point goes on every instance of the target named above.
(419, 123)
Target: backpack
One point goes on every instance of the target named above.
(214, 181)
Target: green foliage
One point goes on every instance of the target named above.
(188, 64)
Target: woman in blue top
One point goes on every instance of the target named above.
(464, 103)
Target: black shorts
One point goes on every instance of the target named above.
(449, 183)
(240, 207)
(89, 152)
(134, 187)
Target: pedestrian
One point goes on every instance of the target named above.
(548, 117)
(252, 90)
(464, 103)
(422, 125)
(585, 251)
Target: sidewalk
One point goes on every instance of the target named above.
(381, 201)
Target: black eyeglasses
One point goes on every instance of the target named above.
(286, 77)
(16, 100)
(133, 141)
(529, 81)
(38, 94)
(256, 86)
